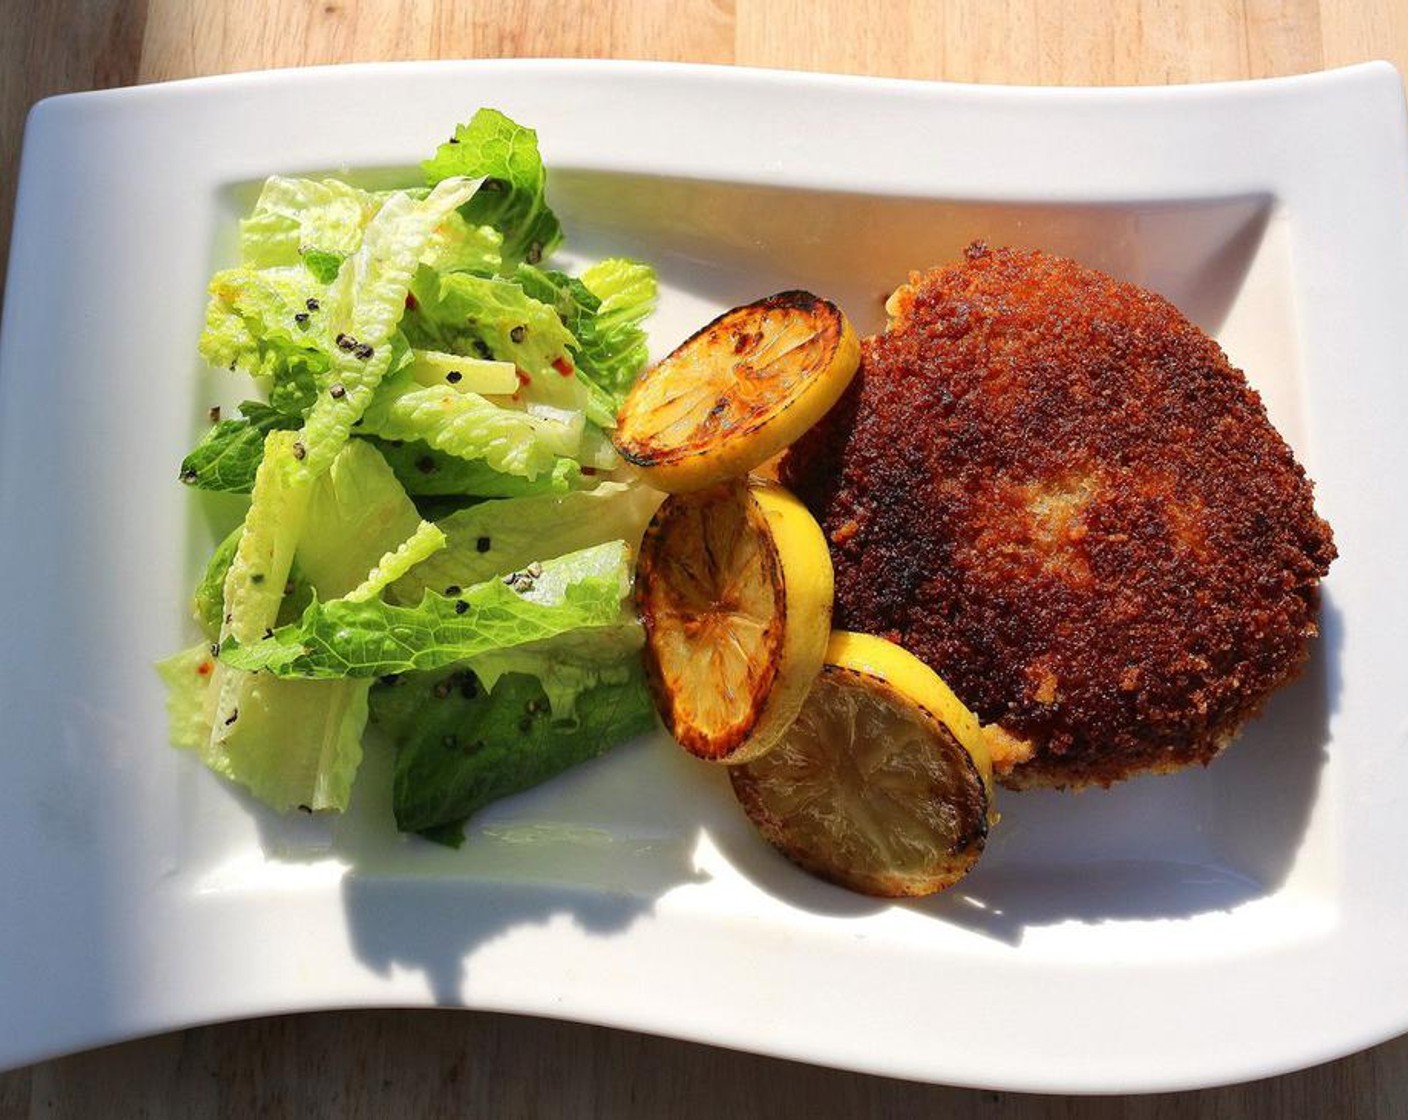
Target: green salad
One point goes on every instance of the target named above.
(435, 545)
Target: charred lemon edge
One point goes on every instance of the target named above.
(685, 468)
(801, 564)
(882, 666)
(913, 683)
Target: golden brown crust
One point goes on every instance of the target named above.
(1054, 489)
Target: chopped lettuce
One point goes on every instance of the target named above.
(424, 542)
(603, 311)
(461, 246)
(614, 345)
(514, 196)
(428, 473)
(296, 219)
(208, 603)
(461, 744)
(264, 554)
(569, 664)
(470, 426)
(483, 316)
(189, 697)
(298, 743)
(263, 323)
(364, 307)
(504, 536)
(253, 592)
(228, 455)
(425, 491)
(346, 638)
(357, 513)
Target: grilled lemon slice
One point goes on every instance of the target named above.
(882, 784)
(737, 392)
(734, 587)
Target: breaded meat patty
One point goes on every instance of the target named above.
(1053, 488)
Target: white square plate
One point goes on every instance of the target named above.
(1208, 927)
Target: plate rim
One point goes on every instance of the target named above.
(50, 116)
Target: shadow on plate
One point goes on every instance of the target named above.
(602, 844)
(1170, 847)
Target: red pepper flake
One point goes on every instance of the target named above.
(411, 302)
(589, 471)
(524, 378)
(563, 366)
(205, 668)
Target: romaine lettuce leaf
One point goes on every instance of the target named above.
(428, 473)
(228, 454)
(296, 218)
(570, 663)
(298, 743)
(614, 348)
(362, 309)
(603, 310)
(190, 700)
(425, 541)
(341, 638)
(254, 584)
(461, 745)
(208, 603)
(358, 511)
(264, 323)
(482, 316)
(254, 589)
(495, 537)
(514, 196)
(460, 246)
(471, 427)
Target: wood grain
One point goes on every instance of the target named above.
(443, 1063)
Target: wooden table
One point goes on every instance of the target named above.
(435, 1063)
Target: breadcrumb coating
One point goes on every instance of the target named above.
(1053, 488)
